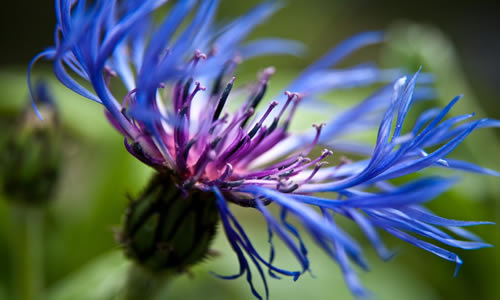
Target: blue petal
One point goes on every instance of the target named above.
(295, 232)
(122, 28)
(430, 218)
(70, 83)
(351, 116)
(464, 233)
(272, 46)
(46, 53)
(417, 191)
(350, 276)
(336, 54)
(419, 164)
(442, 136)
(235, 242)
(287, 239)
(404, 105)
(328, 80)
(237, 30)
(392, 220)
(321, 231)
(241, 244)
(159, 43)
(370, 232)
(448, 255)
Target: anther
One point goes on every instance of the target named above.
(254, 130)
(197, 56)
(267, 73)
(223, 98)
(261, 90)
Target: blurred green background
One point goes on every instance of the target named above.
(458, 42)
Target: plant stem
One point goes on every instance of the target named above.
(28, 256)
(144, 285)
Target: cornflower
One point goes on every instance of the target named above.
(174, 118)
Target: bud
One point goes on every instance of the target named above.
(30, 154)
(168, 228)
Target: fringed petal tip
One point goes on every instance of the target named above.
(459, 263)
(245, 251)
(33, 93)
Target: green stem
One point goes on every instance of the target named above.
(28, 256)
(144, 285)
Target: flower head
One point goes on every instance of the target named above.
(175, 118)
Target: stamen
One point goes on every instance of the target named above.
(268, 142)
(213, 50)
(260, 91)
(218, 123)
(227, 173)
(270, 182)
(125, 104)
(278, 166)
(277, 118)
(267, 73)
(254, 130)
(198, 87)
(242, 142)
(185, 92)
(287, 163)
(223, 98)
(287, 173)
(181, 134)
(292, 168)
(291, 96)
(232, 183)
(323, 155)
(164, 55)
(181, 128)
(296, 101)
(187, 148)
(286, 187)
(218, 81)
(197, 56)
(316, 138)
(177, 96)
(228, 68)
(165, 153)
(316, 169)
(214, 143)
(206, 156)
(255, 142)
(273, 169)
(236, 120)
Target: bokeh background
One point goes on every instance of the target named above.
(458, 42)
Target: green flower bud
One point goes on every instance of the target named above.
(169, 229)
(31, 153)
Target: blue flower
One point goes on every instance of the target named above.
(175, 119)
